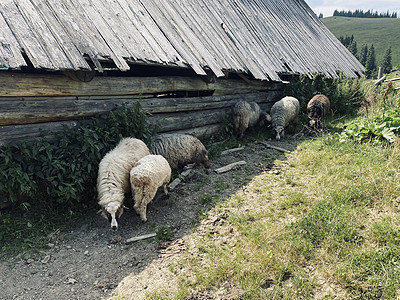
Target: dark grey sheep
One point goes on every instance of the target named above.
(180, 150)
(245, 115)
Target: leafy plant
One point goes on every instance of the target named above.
(346, 95)
(380, 129)
(64, 170)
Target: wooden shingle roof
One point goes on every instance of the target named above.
(264, 38)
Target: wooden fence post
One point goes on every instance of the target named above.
(379, 73)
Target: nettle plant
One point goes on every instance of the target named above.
(64, 169)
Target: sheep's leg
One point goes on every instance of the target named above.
(137, 200)
(165, 188)
(295, 121)
(143, 210)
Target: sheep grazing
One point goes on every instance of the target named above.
(148, 174)
(113, 177)
(317, 109)
(180, 150)
(245, 115)
(283, 113)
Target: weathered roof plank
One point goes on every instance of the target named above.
(264, 38)
(10, 53)
(25, 36)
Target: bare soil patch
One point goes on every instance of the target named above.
(91, 261)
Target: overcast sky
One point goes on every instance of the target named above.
(327, 7)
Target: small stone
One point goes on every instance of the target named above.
(72, 281)
(29, 261)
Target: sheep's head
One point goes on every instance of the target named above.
(315, 112)
(206, 161)
(280, 132)
(112, 211)
(202, 158)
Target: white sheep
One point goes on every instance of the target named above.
(148, 174)
(283, 113)
(245, 115)
(113, 177)
(180, 150)
(317, 108)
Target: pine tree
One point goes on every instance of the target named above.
(353, 48)
(364, 55)
(371, 61)
(387, 61)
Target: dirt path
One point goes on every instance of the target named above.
(90, 262)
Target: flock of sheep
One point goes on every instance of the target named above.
(283, 113)
(132, 167)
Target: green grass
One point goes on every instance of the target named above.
(381, 32)
(338, 223)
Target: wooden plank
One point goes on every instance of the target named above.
(119, 32)
(274, 147)
(174, 14)
(64, 41)
(44, 35)
(232, 25)
(80, 30)
(229, 151)
(45, 109)
(221, 43)
(185, 120)
(27, 85)
(18, 133)
(25, 36)
(380, 80)
(229, 167)
(197, 19)
(10, 52)
(140, 238)
(202, 131)
(393, 79)
(169, 30)
(117, 51)
(150, 31)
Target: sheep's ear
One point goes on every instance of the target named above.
(102, 212)
(120, 211)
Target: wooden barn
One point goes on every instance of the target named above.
(185, 61)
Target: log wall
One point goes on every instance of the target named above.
(32, 103)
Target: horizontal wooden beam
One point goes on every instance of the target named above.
(18, 133)
(36, 85)
(17, 110)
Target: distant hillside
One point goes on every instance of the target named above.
(380, 32)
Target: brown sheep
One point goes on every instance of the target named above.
(317, 109)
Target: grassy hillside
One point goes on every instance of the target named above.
(380, 32)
